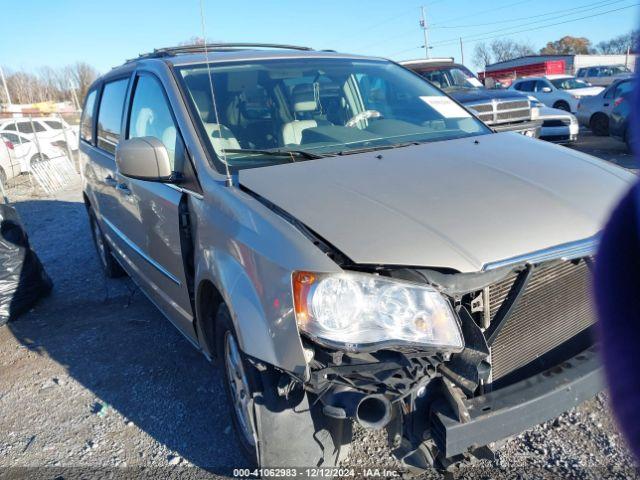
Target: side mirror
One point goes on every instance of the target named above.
(546, 89)
(144, 158)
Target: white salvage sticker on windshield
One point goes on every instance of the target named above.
(445, 106)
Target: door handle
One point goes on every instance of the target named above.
(123, 188)
(606, 104)
(109, 180)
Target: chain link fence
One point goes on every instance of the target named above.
(38, 153)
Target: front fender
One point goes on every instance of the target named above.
(262, 317)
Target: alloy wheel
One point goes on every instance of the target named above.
(239, 387)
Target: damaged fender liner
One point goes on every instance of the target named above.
(518, 407)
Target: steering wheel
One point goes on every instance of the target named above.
(365, 115)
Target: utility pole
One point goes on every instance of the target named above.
(423, 24)
(6, 89)
(461, 51)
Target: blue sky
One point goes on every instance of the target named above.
(107, 32)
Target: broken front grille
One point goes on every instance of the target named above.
(555, 306)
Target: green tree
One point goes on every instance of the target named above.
(567, 45)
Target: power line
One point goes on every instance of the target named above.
(474, 40)
(482, 12)
(584, 8)
(526, 24)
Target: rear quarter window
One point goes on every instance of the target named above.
(86, 122)
(110, 114)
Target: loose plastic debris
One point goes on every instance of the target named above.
(23, 280)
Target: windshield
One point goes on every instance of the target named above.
(269, 110)
(569, 83)
(452, 78)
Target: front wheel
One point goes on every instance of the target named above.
(265, 422)
(562, 105)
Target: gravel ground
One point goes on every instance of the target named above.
(95, 377)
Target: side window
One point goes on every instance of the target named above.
(110, 114)
(581, 73)
(39, 127)
(53, 124)
(86, 122)
(525, 86)
(11, 126)
(593, 72)
(151, 117)
(540, 84)
(25, 127)
(609, 92)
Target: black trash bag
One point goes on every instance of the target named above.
(23, 280)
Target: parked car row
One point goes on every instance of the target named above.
(18, 151)
(502, 110)
(53, 130)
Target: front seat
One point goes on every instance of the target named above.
(221, 137)
(304, 104)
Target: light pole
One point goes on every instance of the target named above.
(423, 24)
(4, 83)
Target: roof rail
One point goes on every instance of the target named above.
(213, 47)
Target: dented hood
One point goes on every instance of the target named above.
(457, 204)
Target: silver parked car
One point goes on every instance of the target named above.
(352, 244)
(595, 112)
(603, 75)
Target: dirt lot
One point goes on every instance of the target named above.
(95, 377)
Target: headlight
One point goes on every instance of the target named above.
(357, 311)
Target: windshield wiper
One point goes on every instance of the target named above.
(377, 147)
(277, 153)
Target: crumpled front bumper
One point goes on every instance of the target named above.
(518, 407)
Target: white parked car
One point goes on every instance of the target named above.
(9, 165)
(603, 75)
(556, 91)
(24, 150)
(558, 126)
(53, 129)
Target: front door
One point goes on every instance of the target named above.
(153, 231)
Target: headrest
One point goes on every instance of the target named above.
(304, 99)
(202, 99)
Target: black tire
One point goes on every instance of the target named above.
(110, 265)
(562, 105)
(599, 125)
(627, 140)
(276, 420)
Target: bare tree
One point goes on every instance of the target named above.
(482, 55)
(620, 44)
(49, 84)
(499, 51)
(82, 75)
(507, 49)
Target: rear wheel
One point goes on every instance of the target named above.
(111, 267)
(265, 422)
(562, 105)
(599, 125)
